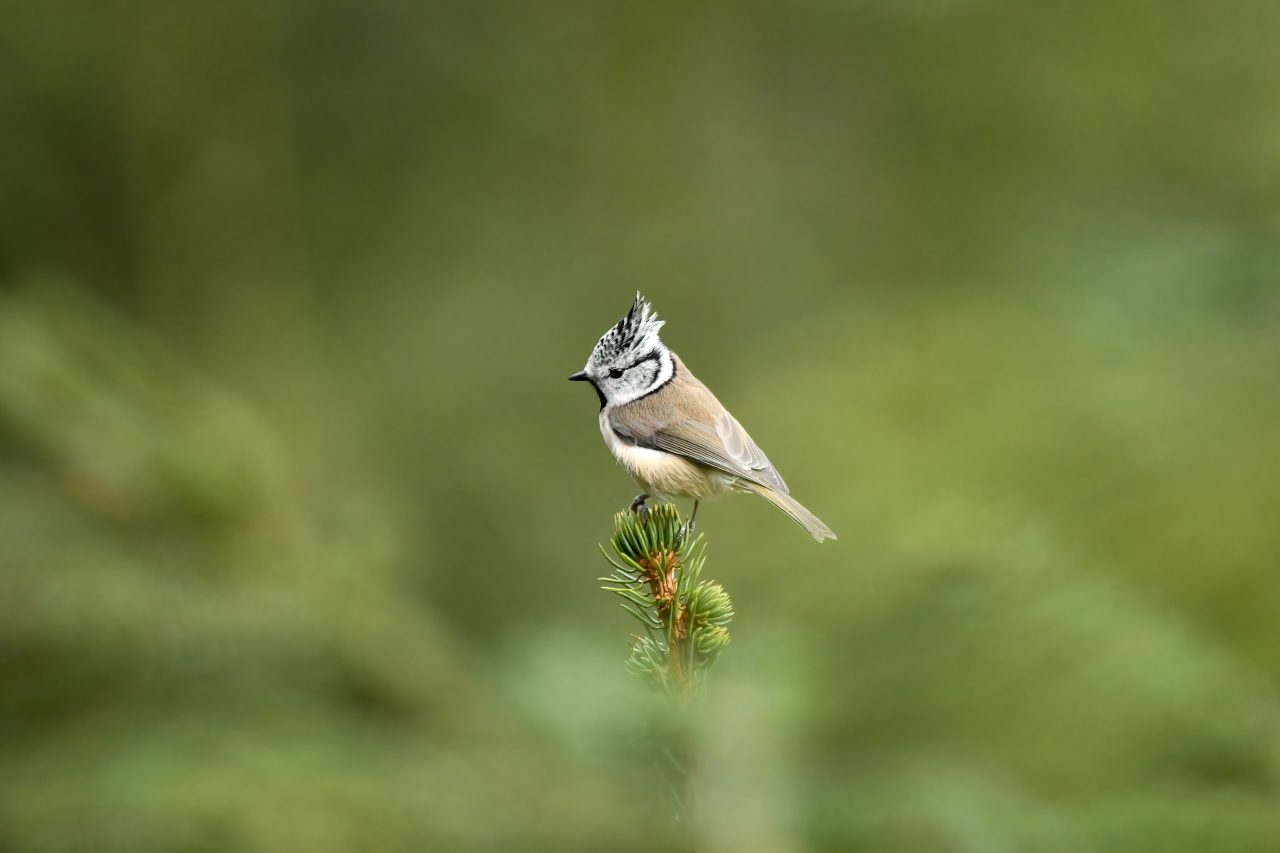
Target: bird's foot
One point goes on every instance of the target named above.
(638, 506)
(687, 528)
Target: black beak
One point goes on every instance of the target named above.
(580, 376)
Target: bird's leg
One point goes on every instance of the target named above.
(638, 506)
(687, 528)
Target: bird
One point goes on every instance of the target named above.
(670, 432)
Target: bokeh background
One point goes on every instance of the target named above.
(298, 516)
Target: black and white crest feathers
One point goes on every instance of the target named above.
(636, 332)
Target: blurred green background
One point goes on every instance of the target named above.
(298, 516)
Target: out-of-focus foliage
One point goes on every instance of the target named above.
(298, 518)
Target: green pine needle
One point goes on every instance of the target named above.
(657, 573)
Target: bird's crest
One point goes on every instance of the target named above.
(636, 332)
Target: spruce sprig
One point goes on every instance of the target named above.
(657, 573)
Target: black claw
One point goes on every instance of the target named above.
(638, 506)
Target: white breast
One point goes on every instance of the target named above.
(663, 474)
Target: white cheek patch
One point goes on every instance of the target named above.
(641, 379)
(625, 389)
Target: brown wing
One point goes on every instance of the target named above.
(723, 444)
(698, 428)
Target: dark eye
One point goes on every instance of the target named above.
(616, 373)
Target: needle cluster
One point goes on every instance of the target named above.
(657, 573)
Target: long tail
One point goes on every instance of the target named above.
(796, 510)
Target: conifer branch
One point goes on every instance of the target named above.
(658, 575)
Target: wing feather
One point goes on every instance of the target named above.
(723, 444)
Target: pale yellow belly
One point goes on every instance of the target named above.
(666, 475)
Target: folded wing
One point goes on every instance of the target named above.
(720, 443)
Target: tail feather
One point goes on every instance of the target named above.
(796, 510)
